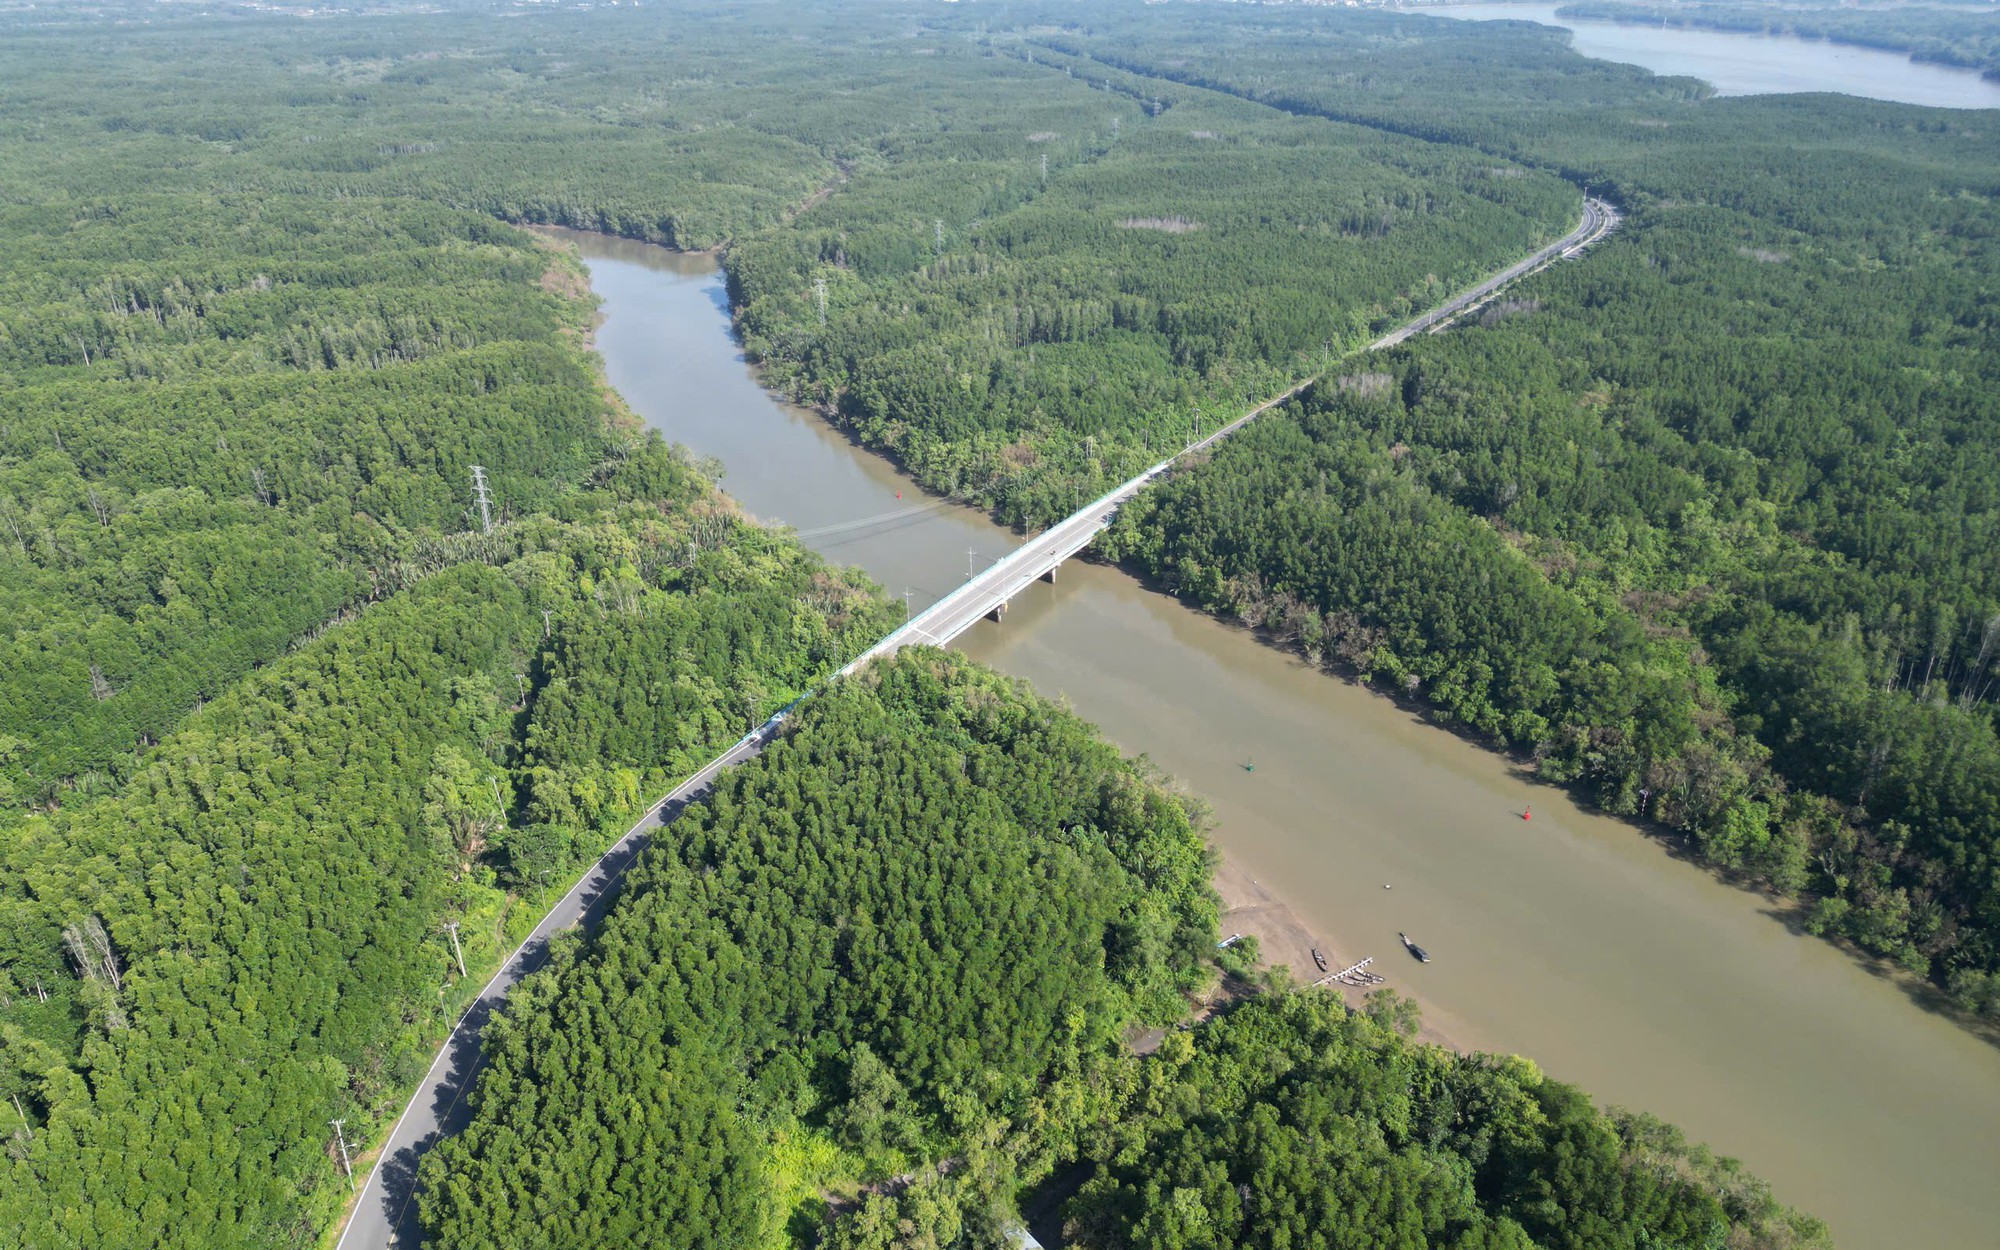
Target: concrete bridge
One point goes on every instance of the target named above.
(384, 1213)
(987, 594)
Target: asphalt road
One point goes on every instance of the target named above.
(1599, 219)
(386, 1213)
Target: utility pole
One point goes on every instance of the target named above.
(968, 563)
(906, 601)
(819, 286)
(1045, 169)
(346, 1164)
(452, 925)
(546, 614)
(485, 500)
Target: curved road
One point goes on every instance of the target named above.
(1599, 219)
(385, 1213)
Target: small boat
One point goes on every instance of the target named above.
(1319, 959)
(1423, 956)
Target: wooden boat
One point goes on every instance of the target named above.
(1319, 959)
(1356, 975)
(1423, 956)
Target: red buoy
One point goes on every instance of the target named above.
(1528, 813)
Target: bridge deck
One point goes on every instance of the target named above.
(385, 1212)
(992, 589)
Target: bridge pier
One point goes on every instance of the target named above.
(1049, 574)
(999, 611)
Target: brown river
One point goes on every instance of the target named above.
(1571, 938)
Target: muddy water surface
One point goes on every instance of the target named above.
(1569, 937)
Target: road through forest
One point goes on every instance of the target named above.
(1607, 954)
(385, 1213)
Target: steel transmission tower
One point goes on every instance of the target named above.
(483, 497)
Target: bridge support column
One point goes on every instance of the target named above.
(999, 611)
(1049, 574)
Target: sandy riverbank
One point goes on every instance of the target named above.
(1255, 909)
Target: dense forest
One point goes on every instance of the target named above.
(917, 925)
(1082, 279)
(281, 700)
(247, 940)
(879, 988)
(1705, 526)
(1293, 1122)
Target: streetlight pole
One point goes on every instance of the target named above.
(346, 1164)
(456, 951)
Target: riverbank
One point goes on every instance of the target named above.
(1255, 909)
(1281, 925)
(1740, 62)
(1877, 29)
(1610, 962)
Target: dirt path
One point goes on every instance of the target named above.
(841, 170)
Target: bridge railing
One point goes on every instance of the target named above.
(1026, 553)
(1595, 212)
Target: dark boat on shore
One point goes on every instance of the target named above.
(1423, 956)
(1319, 959)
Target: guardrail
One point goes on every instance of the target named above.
(375, 1230)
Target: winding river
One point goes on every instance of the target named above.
(1741, 63)
(1571, 938)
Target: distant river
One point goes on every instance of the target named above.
(1746, 64)
(1572, 938)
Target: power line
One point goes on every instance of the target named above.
(880, 518)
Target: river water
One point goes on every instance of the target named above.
(1571, 939)
(1740, 63)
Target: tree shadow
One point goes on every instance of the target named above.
(1924, 995)
(1675, 843)
(1042, 1212)
(718, 295)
